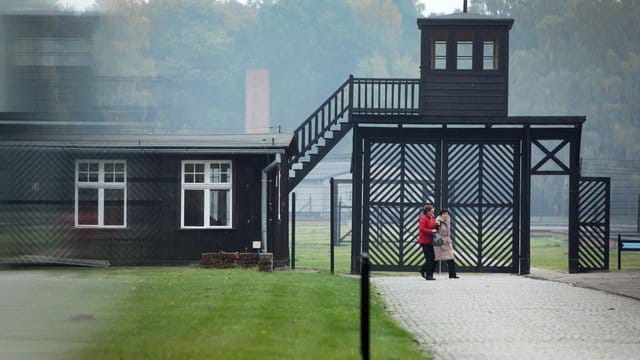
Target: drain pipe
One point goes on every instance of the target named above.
(263, 202)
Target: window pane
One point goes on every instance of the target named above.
(219, 209)
(490, 50)
(88, 206)
(88, 172)
(225, 173)
(464, 64)
(465, 50)
(215, 173)
(114, 207)
(194, 208)
(220, 173)
(439, 53)
(194, 173)
(113, 172)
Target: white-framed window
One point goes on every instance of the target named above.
(439, 50)
(464, 47)
(206, 194)
(490, 51)
(101, 194)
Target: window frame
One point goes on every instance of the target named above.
(101, 185)
(493, 38)
(465, 38)
(207, 186)
(438, 41)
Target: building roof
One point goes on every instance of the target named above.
(465, 18)
(238, 143)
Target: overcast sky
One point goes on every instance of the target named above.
(437, 6)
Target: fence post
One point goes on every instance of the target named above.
(332, 215)
(364, 306)
(293, 230)
(619, 248)
(338, 222)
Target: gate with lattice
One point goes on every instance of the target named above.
(593, 223)
(474, 176)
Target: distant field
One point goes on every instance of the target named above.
(547, 252)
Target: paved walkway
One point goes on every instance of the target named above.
(505, 316)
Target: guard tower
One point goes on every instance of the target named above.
(447, 139)
(464, 67)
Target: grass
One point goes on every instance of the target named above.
(313, 249)
(196, 313)
(193, 313)
(552, 253)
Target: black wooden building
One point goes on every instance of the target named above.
(142, 199)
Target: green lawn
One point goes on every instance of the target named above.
(313, 249)
(551, 253)
(193, 313)
(190, 313)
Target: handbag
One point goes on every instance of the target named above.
(437, 239)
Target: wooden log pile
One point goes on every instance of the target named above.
(227, 260)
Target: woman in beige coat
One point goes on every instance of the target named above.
(445, 252)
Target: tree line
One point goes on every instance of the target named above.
(183, 62)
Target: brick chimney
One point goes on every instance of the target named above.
(256, 116)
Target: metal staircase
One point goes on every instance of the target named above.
(326, 126)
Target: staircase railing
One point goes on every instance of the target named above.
(321, 121)
(386, 96)
(319, 133)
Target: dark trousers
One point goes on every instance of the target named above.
(429, 265)
(451, 266)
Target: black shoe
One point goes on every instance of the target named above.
(429, 277)
(423, 274)
(454, 277)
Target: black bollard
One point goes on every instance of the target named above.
(364, 306)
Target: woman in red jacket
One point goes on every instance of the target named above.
(426, 228)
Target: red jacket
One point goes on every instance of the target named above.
(426, 225)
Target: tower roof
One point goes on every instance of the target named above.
(465, 19)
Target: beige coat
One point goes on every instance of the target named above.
(444, 252)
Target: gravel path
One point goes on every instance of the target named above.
(505, 316)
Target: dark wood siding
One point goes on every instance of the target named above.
(41, 222)
(464, 94)
(474, 92)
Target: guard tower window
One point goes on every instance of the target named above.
(490, 51)
(465, 50)
(439, 50)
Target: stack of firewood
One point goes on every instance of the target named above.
(225, 260)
